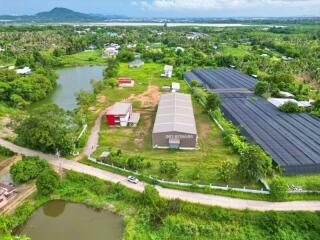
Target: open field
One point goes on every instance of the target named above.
(83, 58)
(196, 166)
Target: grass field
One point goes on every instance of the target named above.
(195, 166)
(83, 58)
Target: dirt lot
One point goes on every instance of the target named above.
(148, 99)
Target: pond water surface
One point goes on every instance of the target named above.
(71, 81)
(71, 221)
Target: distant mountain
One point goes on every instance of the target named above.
(63, 14)
(60, 15)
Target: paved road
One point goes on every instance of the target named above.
(206, 199)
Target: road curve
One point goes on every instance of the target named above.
(206, 199)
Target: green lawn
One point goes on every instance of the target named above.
(83, 58)
(195, 166)
(239, 51)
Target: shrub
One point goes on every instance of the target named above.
(213, 102)
(27, 169)
(6, 152)
(278, 189)
(290, 107)
(47, 182)
(261, 88)
(254, 164)
(226, 171)
(169, 168)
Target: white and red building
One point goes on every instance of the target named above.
(119, 114)
(125, 82)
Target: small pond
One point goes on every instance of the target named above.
(69, 82)
(71, 221)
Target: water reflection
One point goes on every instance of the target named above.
(55, 209)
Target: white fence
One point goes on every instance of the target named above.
(183, 184)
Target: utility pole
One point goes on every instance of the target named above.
(60, 162)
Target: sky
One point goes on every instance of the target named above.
(170, 8)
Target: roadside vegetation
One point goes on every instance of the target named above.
(147, 216)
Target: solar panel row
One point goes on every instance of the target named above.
(221, 78)
(292, 140)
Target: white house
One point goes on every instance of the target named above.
(168, 69)
(175, 87)
(110, 52)
(24, 71)
(265, 55)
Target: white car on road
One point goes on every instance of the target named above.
(133, 180)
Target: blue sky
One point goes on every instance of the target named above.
(170, 8)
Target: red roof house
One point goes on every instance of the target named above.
(125, 82)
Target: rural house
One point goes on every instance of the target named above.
(121, 115)
(125, 82)
(168, 69)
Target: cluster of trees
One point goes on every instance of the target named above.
(20, 91)
(47, 128)
(271, 85)
(30, 168)
(124, 160)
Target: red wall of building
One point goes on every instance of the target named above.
(110, 120)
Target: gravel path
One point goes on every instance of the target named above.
(207, 199)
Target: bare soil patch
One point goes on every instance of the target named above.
(148, 99)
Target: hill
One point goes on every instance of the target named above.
(59, 15)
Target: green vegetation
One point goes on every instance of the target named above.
(254, 164)
(278, 189)
(47, 182)
(290, 107)
(27, 169)
(147, 216)
(48, 129)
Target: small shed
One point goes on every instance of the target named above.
(166, 88)
(136, 63)
(168, 69)
(134, 119)
(175, 87)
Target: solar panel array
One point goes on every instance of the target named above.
(292, 140)
(221, 78)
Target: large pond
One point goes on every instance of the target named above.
(71, 81)
(72, 221)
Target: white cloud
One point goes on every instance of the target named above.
(207, 5)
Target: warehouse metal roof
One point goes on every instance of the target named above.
(221, 78)
(175, 114)
(120, 108)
